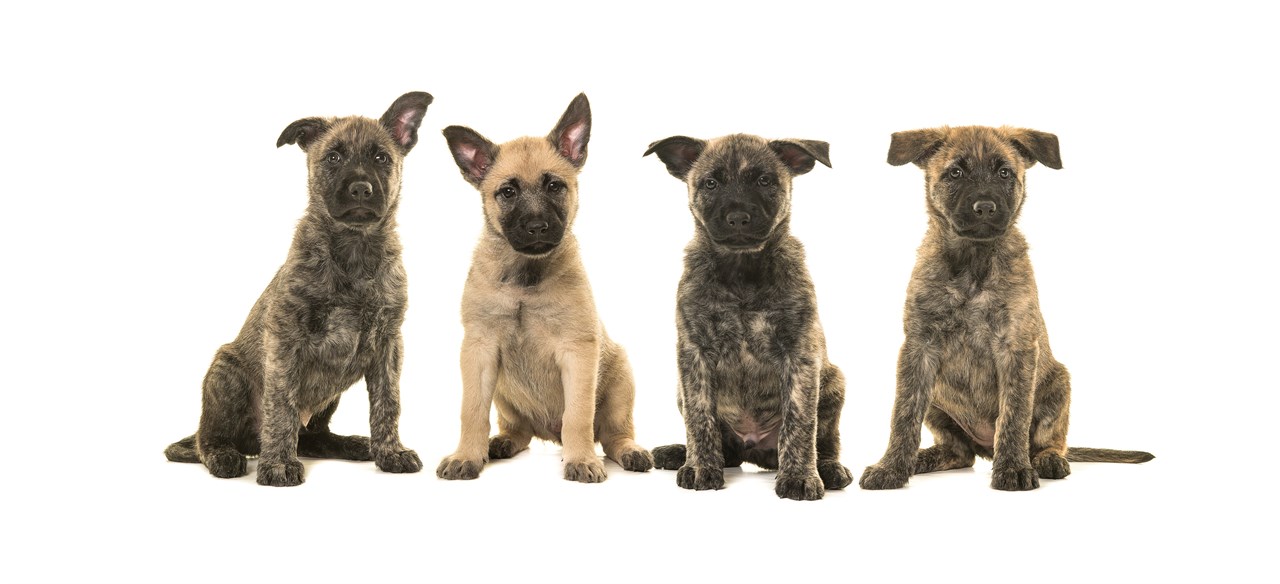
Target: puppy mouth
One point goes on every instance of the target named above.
(980, 231)
(740, 242)
(537, 248)
(359, 216)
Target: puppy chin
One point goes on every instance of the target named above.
(538, 249)
(980, 232)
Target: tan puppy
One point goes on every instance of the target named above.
(533, 344)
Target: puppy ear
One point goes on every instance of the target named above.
(1036, 146)
(573, 131)
(303, 132)
(799, 155)
(472, 152)
(678, 153)
(915, 146)
(404, 116)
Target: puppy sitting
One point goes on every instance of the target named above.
(330, 316)
(976, 366)
(755, 383)
(533, 344)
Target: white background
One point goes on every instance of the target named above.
(146, 207)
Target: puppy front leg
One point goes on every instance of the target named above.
(383, 381)
(579, 371)
(479, 364)
(703, 467)
(918, 363)
(278, 465)
(1011, 468)
(797, 440)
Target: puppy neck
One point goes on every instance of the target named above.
(744, 267)
(978, 259)
(507, 267)
(351, 253)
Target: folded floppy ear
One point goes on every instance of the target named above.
(573, 131)
(303, 132)
(404, 116)
(914, 146)
(799, 155)
(472, 152)
(1036, 147)
(678, 153)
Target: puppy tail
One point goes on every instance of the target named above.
(183, 450)
(1075, 454)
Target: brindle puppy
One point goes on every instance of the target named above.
(755, 382)
(330, 316)
(976, 366)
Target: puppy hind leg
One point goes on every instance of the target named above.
(226, 416)
(952, 448)
(830, 403)
(614, 425)
(513, 435)
(1049, 424)
(316, 441)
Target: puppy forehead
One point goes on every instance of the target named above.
(736, 154)
(357, 132)
(527, 160)
(979, 145)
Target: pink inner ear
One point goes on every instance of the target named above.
(793, 157)
(405, 126)
(477, 162)
(571, 141)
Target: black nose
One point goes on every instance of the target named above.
(360, 190)
(984, 208)
(536, 227)
(738, 219)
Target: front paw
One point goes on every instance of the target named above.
(454, 467)
(834, 475)
(700, 478)
(670, 457)
(587, 471)
(398, 462)
(280, 474)
(807, 487)
(1015, 479)
(638, 460)
(878, 477)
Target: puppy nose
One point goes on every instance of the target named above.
(984, 208)
(360, 190)
(738, 219)
(536, 227)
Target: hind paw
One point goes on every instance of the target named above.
(669, 457)
(1051, 465)
(638, 460)
(227, 465)
(834, 475)
(502, 446)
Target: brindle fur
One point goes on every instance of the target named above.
(533, 345)
(330, 316)
(755, 382)
(976, 366)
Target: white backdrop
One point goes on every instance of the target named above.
(147, 208)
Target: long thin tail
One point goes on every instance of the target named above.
(1075, 454)
(183, 450)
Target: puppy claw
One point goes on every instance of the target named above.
(799, 487)
(280, 474)
(670, 457)
(1051, 466)
(700, 478)
(877, 477)
(455, 468)
(584, 472)
(227, 465)
(835, 476)
(405, 461)
(1015, 479)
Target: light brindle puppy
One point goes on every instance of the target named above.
(976, 366)
(330, 316)
(533, 345)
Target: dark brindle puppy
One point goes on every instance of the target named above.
(755, 383)
(330, 316)
(976, 366)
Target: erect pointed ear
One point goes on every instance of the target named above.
(303, 132)
(678, 153)
(573, 131)
(472, 152)
(404, 116)
(799, 155)
(1036, 146)
(914, 146)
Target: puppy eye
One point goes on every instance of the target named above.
(333, 158)
(956, 173)
(710, 184)
(555, 186)
(507, 192)
(765, 181)
(381, 158)
(1004, 173)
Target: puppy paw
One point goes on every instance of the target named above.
(587, 471)
(670, 457)
(454, 467)
(227, 465)
(700, 478)
(398, 462)
(280, 474)
(1051, 465)
(877, 477)
(501, 447)
(1015, 479)
(834, 475)
(799, 487)
(638, 460)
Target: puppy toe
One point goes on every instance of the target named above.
(877, 477)
(638, 460)
(799, 487)
(700, 478)
(670, 457)
(584, 472)
(1015, 479)
(227, 465)
(1051, 466)
(280, 474)
(834, 475)
(456, 468)
(405, 461)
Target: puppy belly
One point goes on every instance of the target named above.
(539, 407)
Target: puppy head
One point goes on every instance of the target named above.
(355, 162)
(529, 185)
(739, 185)
(974, 175)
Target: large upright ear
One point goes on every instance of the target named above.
(404, 116)
(1036, 147)
(914, 146)
(472, 152)
(799, 155)
(303, 132)
(573, 131)
(678, 153)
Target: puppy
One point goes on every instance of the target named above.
(755, 382)
(330, 316)
(533, 345)
(976, 366)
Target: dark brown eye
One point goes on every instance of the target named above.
(956, 173)
(333, 158)
(507, 191)
(710, 184)
(381, 158)
(765, 181)
(555, 186)
(1004, 173)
